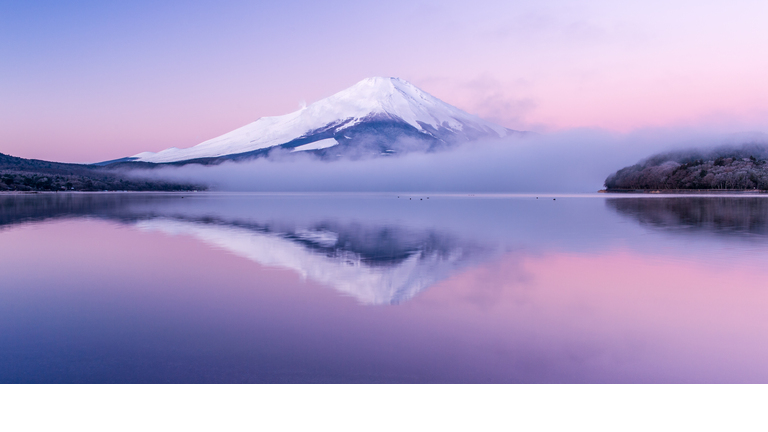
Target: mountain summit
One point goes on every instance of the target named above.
(377, 116)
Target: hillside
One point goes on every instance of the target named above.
(742, 167)
(18, 174)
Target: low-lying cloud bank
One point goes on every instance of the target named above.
(574, 161)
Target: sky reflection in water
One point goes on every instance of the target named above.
(376, 288)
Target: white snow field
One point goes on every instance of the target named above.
(317, 145)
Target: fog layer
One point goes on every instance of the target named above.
(573, 161)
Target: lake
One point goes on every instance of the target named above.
(381, 288)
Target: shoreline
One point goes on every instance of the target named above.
(435, 194)
(13, 192)
(688, 191)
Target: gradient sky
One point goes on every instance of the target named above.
(85, 81)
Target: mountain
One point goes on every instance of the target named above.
(377, 116)
(33, 175)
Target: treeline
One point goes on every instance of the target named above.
(724, 168)
(25, 181)
(18, 174)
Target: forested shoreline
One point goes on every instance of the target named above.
(31, 175)
(724, 168)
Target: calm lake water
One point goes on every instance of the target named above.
(214, 287)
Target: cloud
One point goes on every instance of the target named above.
(489, 98)
(575, 161)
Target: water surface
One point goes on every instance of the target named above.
(213, 287)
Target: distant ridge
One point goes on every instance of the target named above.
(726, 168)
(375, 117)
(33, 175)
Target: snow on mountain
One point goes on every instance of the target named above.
(317, 145)
(374, 113)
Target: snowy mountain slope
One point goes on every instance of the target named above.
(375, 116)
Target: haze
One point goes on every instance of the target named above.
(573, 161)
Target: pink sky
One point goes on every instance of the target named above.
(94, 82)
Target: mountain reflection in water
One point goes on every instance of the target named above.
(131, 287)
(381, 250)
(377, 263)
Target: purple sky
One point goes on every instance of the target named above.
(89, 81)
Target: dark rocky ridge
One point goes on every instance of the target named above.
(19, 174)
(725, 168)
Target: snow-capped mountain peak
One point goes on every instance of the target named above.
(379, 112)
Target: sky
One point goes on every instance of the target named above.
(86, 81)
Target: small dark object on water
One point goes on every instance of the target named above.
(553, 199)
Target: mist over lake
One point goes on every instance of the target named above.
(571, 161)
